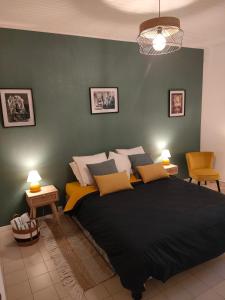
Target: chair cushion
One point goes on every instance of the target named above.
(205, 174)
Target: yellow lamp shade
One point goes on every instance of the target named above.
(34, 178)
(165, 156)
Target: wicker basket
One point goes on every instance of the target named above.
(27, 237)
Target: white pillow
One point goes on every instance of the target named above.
(75, 170)
(122, 162)
(131, 151)
(83, 161)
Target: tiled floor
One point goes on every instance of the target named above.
(30, 274)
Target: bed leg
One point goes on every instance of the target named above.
(136, 295)
(199, 183)
(218, 185)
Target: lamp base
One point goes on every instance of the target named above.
(35, 187)
(166, 162)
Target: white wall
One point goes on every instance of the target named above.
(213, 105)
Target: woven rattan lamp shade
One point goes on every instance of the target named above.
(160, 35)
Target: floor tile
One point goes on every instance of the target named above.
(6, 228)
(159, 297)
(44, 253)
(36, 270)
(13, 266)
(220, 288)
(40, 282)
(113, 285)
(46, 294)
(97, 293)
(218, 266)
(54, 276)
(33, 259)
(210, 295)
(194, 286)
(50, 264)
(7, 240)
(16, 277)
(150, 292)
(61, 290)
(19, 291)
(124, 295)
(209, 278)
(30, 250)
(10, 254)
(177, 293)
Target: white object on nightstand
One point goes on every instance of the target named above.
(171, 169)
(47, 196)
(2, 289)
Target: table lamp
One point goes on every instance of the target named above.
(34, 178)
(165, 157)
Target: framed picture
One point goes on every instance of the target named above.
(176, 103)
(104, 100)
(17, 107)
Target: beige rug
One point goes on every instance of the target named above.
(77, 262)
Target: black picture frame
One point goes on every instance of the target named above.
(177, 103)
(99, 104)
(17, 107)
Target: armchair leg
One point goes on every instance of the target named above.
(190, 179)
(199, 182)
(218, 185)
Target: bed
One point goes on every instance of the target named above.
(156, 230)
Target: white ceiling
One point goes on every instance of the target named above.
(203, 21)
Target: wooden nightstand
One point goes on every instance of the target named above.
(171, 169)
(47, 196)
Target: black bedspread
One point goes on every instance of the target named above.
(157, 229)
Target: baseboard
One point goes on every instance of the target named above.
(5, 228)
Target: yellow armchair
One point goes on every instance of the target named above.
(200, 167)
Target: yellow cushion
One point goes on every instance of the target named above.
(205, 174)
(75, 192)
(113, 183)
(152, 172)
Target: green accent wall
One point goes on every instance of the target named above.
(60, 69)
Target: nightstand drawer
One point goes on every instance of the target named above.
(42, 200)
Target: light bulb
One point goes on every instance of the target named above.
(159, 42)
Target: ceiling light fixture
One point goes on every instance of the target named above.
(160, 35)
